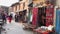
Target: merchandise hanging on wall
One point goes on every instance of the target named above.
(34, 12)
(43, 16)
(30, 17)
(49, 15)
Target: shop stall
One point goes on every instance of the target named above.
(45, 19)
(42, 18)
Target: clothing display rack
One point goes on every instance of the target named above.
(43, 16)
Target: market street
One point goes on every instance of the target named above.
(15, 28)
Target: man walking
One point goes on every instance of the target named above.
(4, 18)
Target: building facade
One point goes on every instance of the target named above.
(58, 3)
(20, 6)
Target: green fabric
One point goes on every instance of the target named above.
(29, 16)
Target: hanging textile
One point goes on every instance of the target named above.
(41, 16)
(34, 12)
(49, 15)
(30, 16)
(58, 21)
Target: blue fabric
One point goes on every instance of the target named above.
(58, 21)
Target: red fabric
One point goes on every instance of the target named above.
(9, 19)
(49, 15)
(45, 33)
(34, 11)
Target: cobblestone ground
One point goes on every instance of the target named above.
(15, 28)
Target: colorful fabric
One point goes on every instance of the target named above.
(34, 11)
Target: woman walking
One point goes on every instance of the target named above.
(10, 18)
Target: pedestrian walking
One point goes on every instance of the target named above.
(10, 18)
(4, 18)
(20, 17)
(16, 18)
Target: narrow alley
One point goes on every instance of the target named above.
(29, 16)
(15, 28)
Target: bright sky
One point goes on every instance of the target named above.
(7, 2)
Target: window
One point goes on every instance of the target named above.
(23, 5)
(19, 6)
(16, 8)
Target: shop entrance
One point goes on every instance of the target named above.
(22, 15)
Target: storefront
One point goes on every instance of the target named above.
(20, 16)
(43, 16)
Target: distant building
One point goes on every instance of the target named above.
(4, 9)
(15, 7)
(20, 6)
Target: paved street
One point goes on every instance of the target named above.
(15, 28)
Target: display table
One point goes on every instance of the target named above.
(26, 25)
(40, 31)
